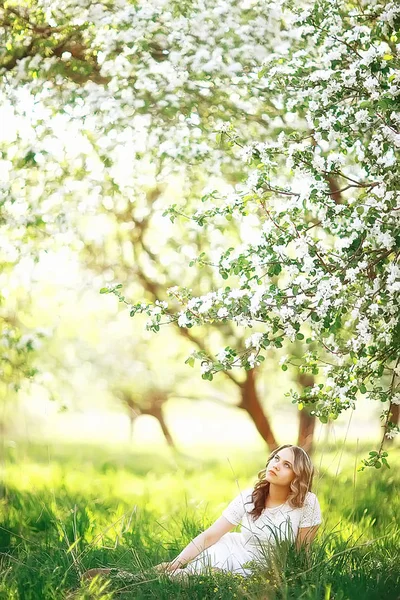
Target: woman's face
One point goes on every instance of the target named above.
(279, 470)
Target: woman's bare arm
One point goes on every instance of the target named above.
(305, 536)
(203, 541)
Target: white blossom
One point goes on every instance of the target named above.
(183, 321)
(254, 341)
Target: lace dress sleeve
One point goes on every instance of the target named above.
(311, 512)
(236, 510)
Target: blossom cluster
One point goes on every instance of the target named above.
(325, 266)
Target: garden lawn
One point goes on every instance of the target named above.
(66, 509)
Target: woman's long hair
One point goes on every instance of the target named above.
(301, 484)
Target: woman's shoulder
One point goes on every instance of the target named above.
(310, 502)
(310, 498)
(239, 506)
(311, 511)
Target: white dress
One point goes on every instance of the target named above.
(276, 524)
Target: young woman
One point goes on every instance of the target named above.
(280, 507)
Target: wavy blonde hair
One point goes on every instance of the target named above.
(301, 484)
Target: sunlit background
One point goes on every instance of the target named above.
(89, 341)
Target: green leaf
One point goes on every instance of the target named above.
(104, 291)
(190, 361)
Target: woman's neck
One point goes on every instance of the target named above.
(276, 495)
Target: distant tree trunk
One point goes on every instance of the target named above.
(306, 431)
(250, 402)
(334, 188)
(158, 414)
(395, 410)
(156, 400)
(133, 415)
(305, 437)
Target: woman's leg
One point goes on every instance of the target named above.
(91, 573)
(228, 554)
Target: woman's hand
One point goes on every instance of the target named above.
(169, 567)
(162, 567)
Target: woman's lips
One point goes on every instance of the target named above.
(272, 473)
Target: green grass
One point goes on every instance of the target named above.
(67, 509)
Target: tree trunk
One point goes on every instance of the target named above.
(158, 414)
(334, 188)
(132, 419)
(250, 402)
(306, 431)
(395, 410)
(133, 413)
(306, 421)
